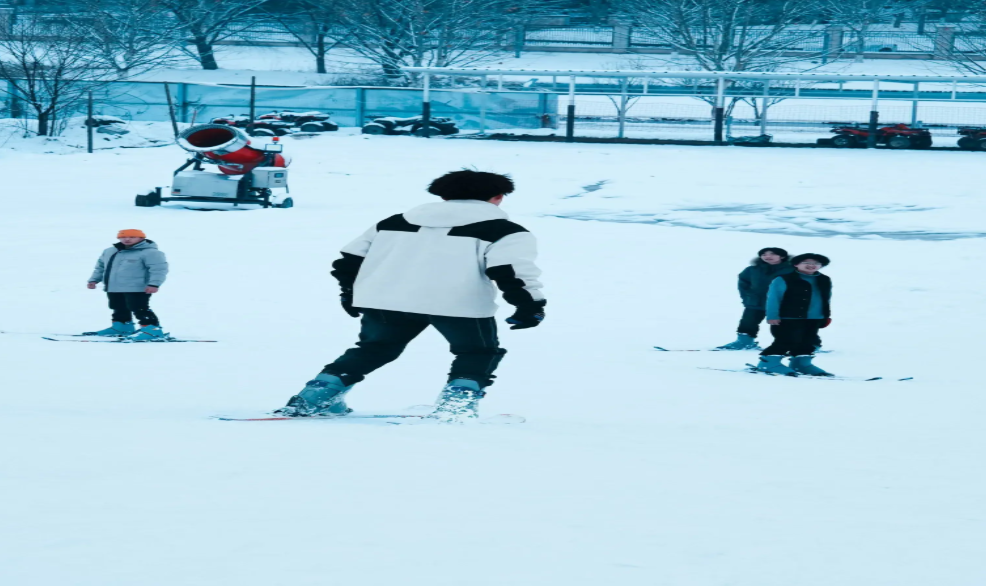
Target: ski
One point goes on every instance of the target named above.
(504, 418)
(753, 370)
(659, 348)
(126, 341)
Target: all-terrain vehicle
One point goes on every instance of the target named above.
(896, 136)
(280, 123)
(414, 125)
(973, 138)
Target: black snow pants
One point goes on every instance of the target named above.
(384, 334)
(750, 322)
(794, 337)
(126, 305)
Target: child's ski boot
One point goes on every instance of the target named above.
(743, 342)
(803, 365)
(323, 395)
(118, 329)
(149, 334)
(773, 365)
(459, 401)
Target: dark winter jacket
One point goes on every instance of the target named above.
(130, 270)
(755, 280)
(799, 296)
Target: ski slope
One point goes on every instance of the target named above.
(634, 468)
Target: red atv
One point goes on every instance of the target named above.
(973, 138)
(897, 136)
(281, 123)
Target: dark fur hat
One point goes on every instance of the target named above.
(776, 250)
(813, 256)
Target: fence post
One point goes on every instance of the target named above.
(171, 110)
(182, 102)
(570, 121)
(834, 37)
(520, 35)
(874, 116)
(914, 105)
(426, 107)
(360, 113)
(621, 36)
(89, 123)
(253, 104)
(763, 112)
(944, 42)
(543, 115)
(720, 110)
(623, 107)
(485, 97)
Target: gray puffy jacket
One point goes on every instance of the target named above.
(130, 270)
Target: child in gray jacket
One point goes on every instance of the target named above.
(132, 270)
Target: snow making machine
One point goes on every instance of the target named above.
(248, 175)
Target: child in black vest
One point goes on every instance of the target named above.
(797, 306)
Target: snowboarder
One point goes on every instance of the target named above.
(753, 283)
(131, 270)
(438, 265)
(798, 304)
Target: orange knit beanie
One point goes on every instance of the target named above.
(131, 234)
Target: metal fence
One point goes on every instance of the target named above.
(347, 106)
(888, 42)
(569, 36)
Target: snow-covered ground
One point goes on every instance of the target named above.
(634, 467)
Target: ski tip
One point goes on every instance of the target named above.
(907, 378)
(661, 349)
(874, 378)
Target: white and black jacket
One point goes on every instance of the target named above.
(442, 259)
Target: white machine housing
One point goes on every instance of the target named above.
(270, 177)
(201, 184)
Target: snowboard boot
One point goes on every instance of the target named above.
(118, 329)
(323, 395)
(773, 365)
(149, 334)
(459, 401)
(803, 365)
(743, 342)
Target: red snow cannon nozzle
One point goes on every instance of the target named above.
(228, 147)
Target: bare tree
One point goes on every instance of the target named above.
(206, 22)
(440, 33)
(971, 46)
(725, 35)
(859, 16)
(131, 36)
(316, 26)
(49, 68)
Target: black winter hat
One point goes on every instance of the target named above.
(813, 256)
(775, 250)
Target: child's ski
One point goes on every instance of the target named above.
(659, 348)
(126, 340)
(753, 370)
(504, 418)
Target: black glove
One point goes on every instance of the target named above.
(346, 298)
(527, 316)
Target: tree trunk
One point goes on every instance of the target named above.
(320, 53)
(44, 126)
(206, 55)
